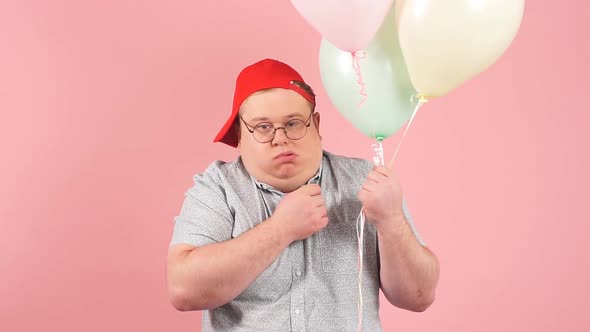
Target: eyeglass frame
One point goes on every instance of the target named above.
(274, 133)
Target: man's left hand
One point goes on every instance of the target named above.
(381, 196)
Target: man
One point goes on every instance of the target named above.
(268, 242)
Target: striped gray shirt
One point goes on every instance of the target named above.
(313, 284)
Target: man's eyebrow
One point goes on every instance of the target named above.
(264, 118)
(260, 118)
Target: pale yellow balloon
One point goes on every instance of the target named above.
(446, 43)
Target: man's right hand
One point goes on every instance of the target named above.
(301, 213)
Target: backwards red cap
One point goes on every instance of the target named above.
(264, 74)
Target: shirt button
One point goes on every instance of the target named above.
(298, 273)
(297, 312)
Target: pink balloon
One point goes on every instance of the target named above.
(349, 25)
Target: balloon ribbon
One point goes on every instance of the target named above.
(356, 65)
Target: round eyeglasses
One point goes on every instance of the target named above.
(264, 132)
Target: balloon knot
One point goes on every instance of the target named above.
(418, 99)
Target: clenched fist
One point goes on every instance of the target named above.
(381, 196)
(301, 213)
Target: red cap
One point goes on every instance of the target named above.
(264, 74)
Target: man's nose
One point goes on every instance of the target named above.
(280, 137)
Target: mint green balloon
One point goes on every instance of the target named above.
(388, 104)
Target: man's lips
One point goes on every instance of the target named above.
(285, 155)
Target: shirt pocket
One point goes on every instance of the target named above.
(338, 245)
(338, 241)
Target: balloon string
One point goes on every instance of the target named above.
(378, 148)
(356, 65)
(378, 160)
(360, 221)
(421, 100)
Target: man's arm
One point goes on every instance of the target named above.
(409, 271)
(209, 276)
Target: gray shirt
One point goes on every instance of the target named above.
(313, 284)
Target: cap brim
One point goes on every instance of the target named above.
(227, 135)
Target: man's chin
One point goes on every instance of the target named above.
(285, 174)
(286, 171)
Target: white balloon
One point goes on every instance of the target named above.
(348, 24)
(446, 43)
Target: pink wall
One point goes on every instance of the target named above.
(109, 107)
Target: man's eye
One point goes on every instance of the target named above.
(263, 126)
(294, 123)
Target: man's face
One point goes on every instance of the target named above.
(283, 163)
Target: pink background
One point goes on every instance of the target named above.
(109, 107)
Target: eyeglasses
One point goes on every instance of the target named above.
(264, 132)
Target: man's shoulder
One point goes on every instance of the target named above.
(341, 163)
(222, 168)
(220, 172)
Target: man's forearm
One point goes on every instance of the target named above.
(210, 276)
(409, 271)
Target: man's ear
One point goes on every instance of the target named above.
(316, 121)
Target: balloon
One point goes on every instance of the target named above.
(349, 24)
(388, 104)
(446, 43)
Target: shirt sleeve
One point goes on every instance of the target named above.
(411, 222)
(205, 216)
